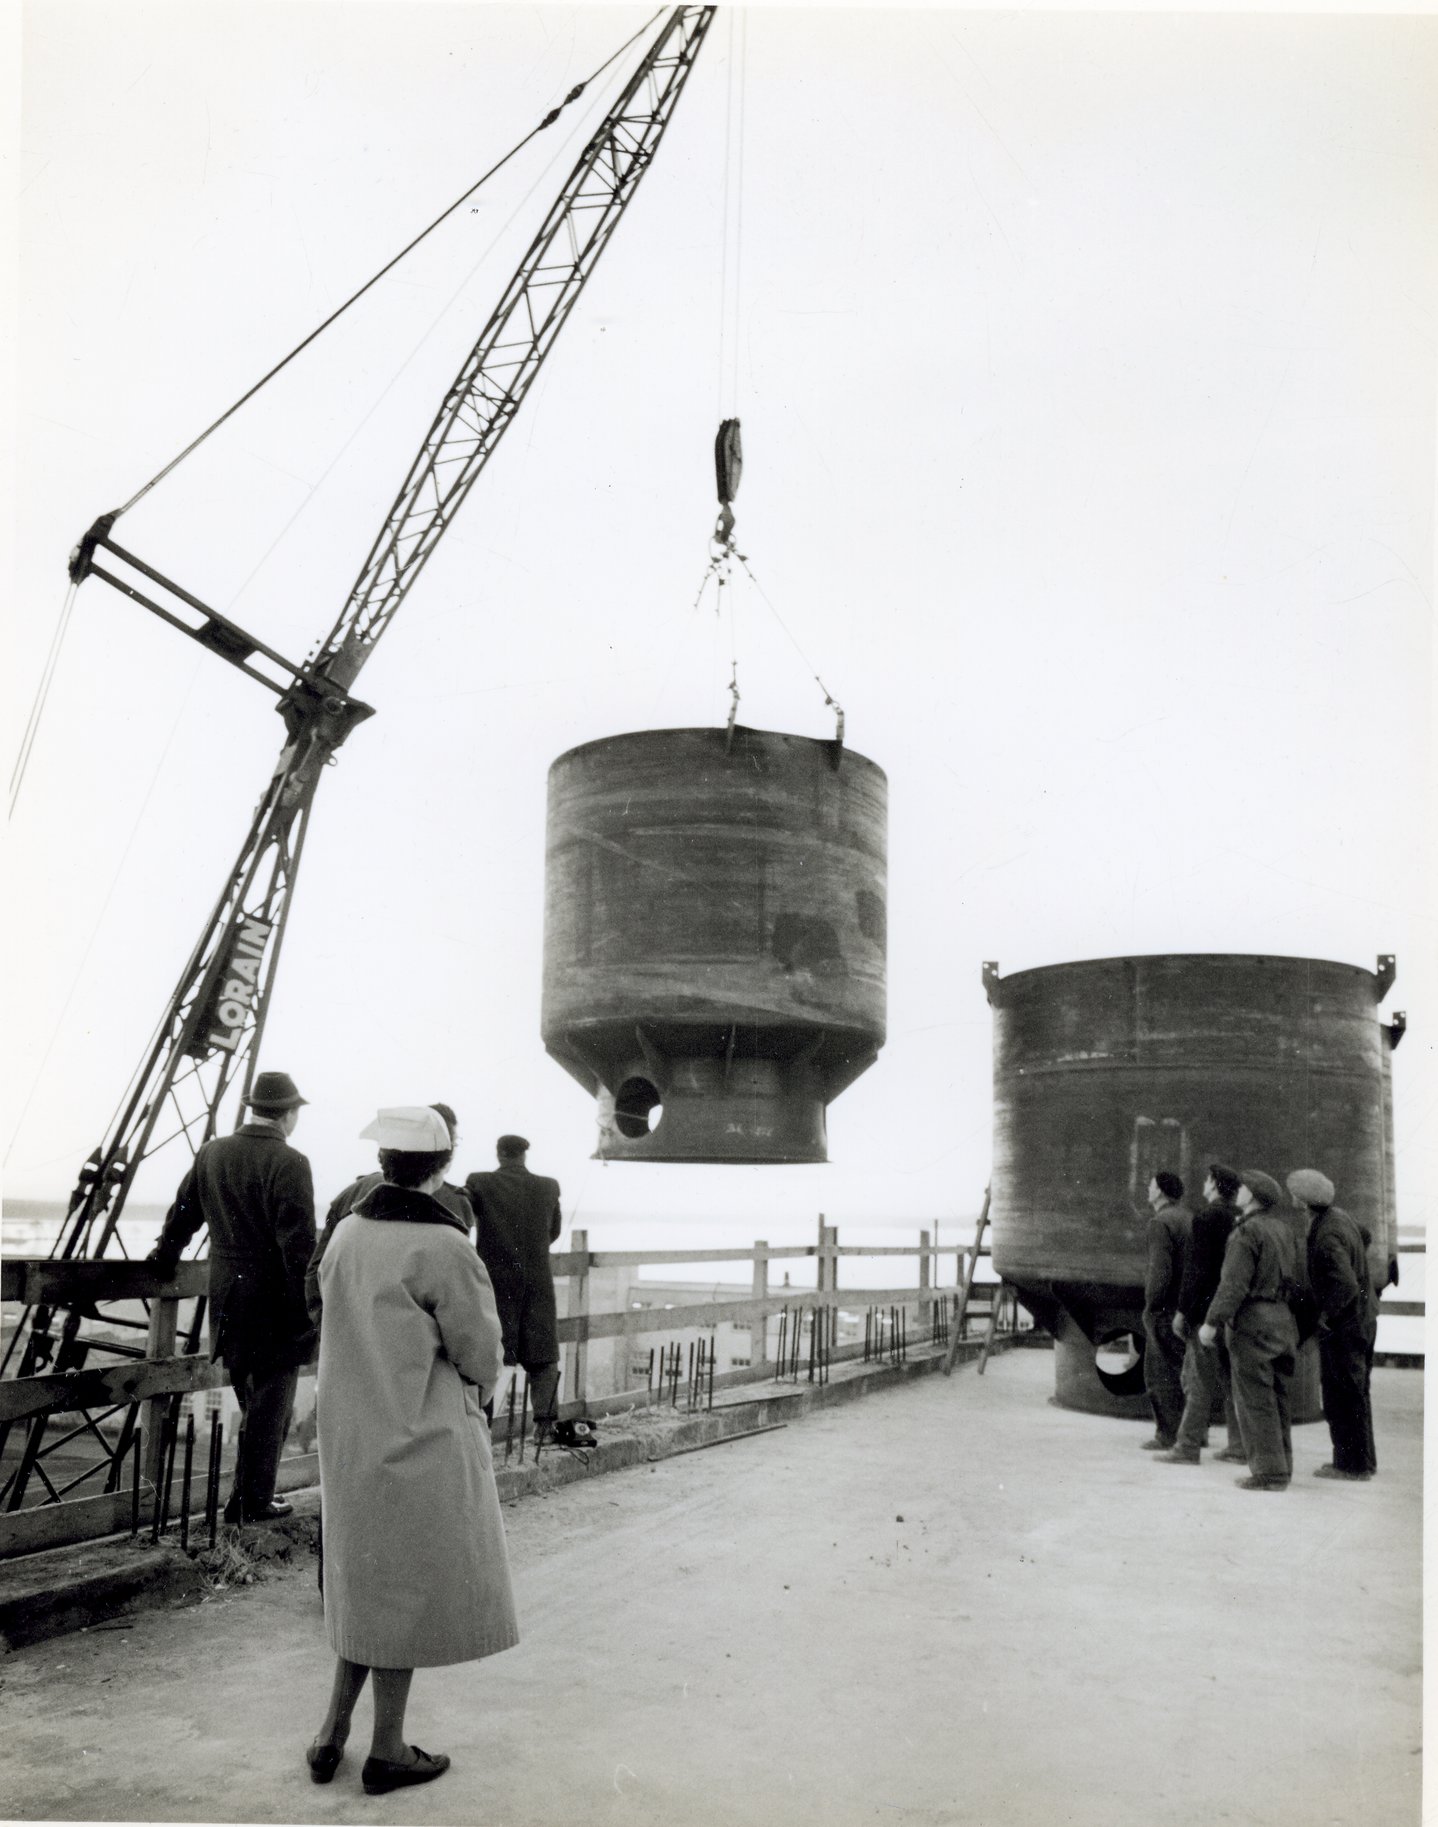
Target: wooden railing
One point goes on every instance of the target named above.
(156, 1378)
(160, 1375)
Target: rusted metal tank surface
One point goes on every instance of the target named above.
(1108, 1070)
(714, 938)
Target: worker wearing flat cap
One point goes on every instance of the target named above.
(1254, 1300)
(1347, 1315)
(256, 1195)
(1168, 1232)
(516, 1219)
(416, 1567)
(1207, 1376)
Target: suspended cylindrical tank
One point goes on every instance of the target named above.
(714, 936)
(1109, 1070)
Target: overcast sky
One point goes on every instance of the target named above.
(1086, 370)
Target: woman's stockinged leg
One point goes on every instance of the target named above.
(391, 1693)
(350, 1678)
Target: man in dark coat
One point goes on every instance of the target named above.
(1254, 1300)
(1340, 1280)
(255, 1194)
(1206, 1379)
(452, 1198)
(1163, 1355)
(516, 1218)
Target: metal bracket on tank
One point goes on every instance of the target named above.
(1396, 1029)
(1386, 973)
(991, 980)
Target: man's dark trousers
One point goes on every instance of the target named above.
(266, 1403)
(1344, 1362)
(1264, 1356)
(1207, 1380)
(1162, 1367)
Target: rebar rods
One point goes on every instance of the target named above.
(185, 1480)
(509, 1424)
(212, 1476)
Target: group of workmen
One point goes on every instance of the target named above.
(1232, 1294)
(255, 1193)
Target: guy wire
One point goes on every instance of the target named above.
(449, 210)
(42, 692)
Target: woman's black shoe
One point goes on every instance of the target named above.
(323, 1761)
(379, 1776)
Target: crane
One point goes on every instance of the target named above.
(209, 1032)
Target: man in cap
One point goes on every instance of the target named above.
(1206, 1381)
(256, 1196)
(1253, 1300)
(1163, 1358)
(1338, 1276)
(517, 1218)
(451, 1197)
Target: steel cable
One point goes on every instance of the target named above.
(548, 121)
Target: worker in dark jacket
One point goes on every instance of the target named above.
(1163, 1356)
(1206, 1378)
(1338, 1275)
(516, 1217)
(1254, 1301)
(452, 1198)
(255, 1194)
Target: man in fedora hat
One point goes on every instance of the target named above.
(1254, 1301)
(256, 1196)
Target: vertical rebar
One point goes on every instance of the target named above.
(783, 1344)
(185, 1479)
(649, 1380)
(712, 1355)
(689, 1386)
(523, 1416)
(212, 1476)
(157, 1521)
(135, 1484)
(509, 1422)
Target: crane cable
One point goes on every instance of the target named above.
(37, 709)
(548, 121)
(42, 693)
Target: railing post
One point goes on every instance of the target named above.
(579, 1308)
(759, 1331)
(160, 1343)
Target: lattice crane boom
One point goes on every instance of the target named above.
(213, 1021)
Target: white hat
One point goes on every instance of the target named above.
(414, 1128)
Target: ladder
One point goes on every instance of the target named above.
(958, 1323)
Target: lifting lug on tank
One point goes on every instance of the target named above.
(1386, 972)
(1396, 1029)
(991, 980)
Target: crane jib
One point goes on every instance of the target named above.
(223, 1010)
(214, 1021)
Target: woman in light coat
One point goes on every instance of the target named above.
(416, 1570)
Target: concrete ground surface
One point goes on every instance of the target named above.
(949, 1603)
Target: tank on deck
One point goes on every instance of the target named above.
(1108, 1070)
(714, 937)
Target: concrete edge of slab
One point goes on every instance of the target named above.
(60, 1590)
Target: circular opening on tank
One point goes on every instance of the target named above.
(1119, 1363)
(637, 1108)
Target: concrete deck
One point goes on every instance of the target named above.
(950, 1603)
